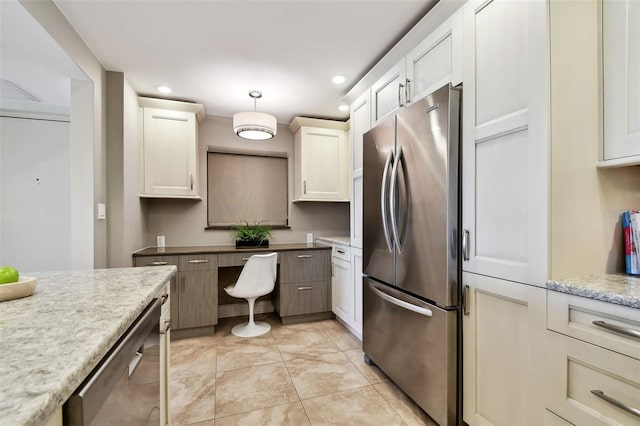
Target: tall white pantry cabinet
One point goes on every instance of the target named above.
(504, 218)
(531, 119)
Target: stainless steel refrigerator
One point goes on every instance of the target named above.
(411, 258)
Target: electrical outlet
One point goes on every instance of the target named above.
(160, 241)
(309, 238)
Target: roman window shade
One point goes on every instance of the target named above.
(246, 185)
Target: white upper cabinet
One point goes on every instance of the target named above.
(505, 138)
(169, 148)
(321, 160)
(436, 61)
(621, 87)
(360, 124)
(388, 94)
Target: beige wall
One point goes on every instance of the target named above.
(125, 214)
(54, 22)
(183, 222)
(586, 202)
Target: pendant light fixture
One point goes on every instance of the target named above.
(255, 125)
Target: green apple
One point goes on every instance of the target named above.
(8, 275)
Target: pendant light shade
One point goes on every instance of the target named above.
(255, 125)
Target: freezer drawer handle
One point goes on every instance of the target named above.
(617, 329)
(616, 403)
(383, 203)
(401, 303)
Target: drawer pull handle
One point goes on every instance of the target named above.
(244, 259)
(305, 288)
(164, 299)
(634, 334)
(616, 403)
(158, 263)
(340, 251)
(304, 256)
(199, 261)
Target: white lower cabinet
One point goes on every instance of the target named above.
(342, 289)
(592, 361)
(503, 333)
(356, 273)
(346, 287)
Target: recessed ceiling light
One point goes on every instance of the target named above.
(338, 79)
(164, 89)
(343, 107)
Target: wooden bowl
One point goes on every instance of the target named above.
(22, 288)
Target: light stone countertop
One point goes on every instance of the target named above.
(50, 341)
(613, 288)
(345, 241)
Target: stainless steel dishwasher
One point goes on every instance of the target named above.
(124, 389)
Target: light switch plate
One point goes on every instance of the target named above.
(102, 211)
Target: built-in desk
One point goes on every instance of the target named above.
(302, 291)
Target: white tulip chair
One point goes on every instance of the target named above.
(258, 277)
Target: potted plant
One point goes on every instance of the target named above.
(256, 235)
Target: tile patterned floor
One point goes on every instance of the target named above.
(303, 374)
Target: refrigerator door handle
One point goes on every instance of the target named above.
(401, 303)
(383, 204)
(392, 201)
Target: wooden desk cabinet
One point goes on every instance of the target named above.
(302, 292)
(305, 284)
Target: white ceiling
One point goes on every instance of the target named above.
(35, 71)
(214, 52)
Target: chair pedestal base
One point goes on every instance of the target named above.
(249, 329)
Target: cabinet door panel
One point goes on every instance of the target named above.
(621, 69)
(198, 298)
(342, 293)
(356, 211)
(305, 266)
(501, 204)
(502, 74)
(505, 139)
(304, 298)
(356, 268)
(430, 65)
(324, 164)
(503, 333)
(387, 94)
(169, 152)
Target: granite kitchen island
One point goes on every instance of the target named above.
(51, 341)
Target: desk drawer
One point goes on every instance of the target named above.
(155, 260)
(304, 298)
(576, 368)
(575, 317)
(198, 262)
(305, 266)
(341, 252)
(239, 259)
